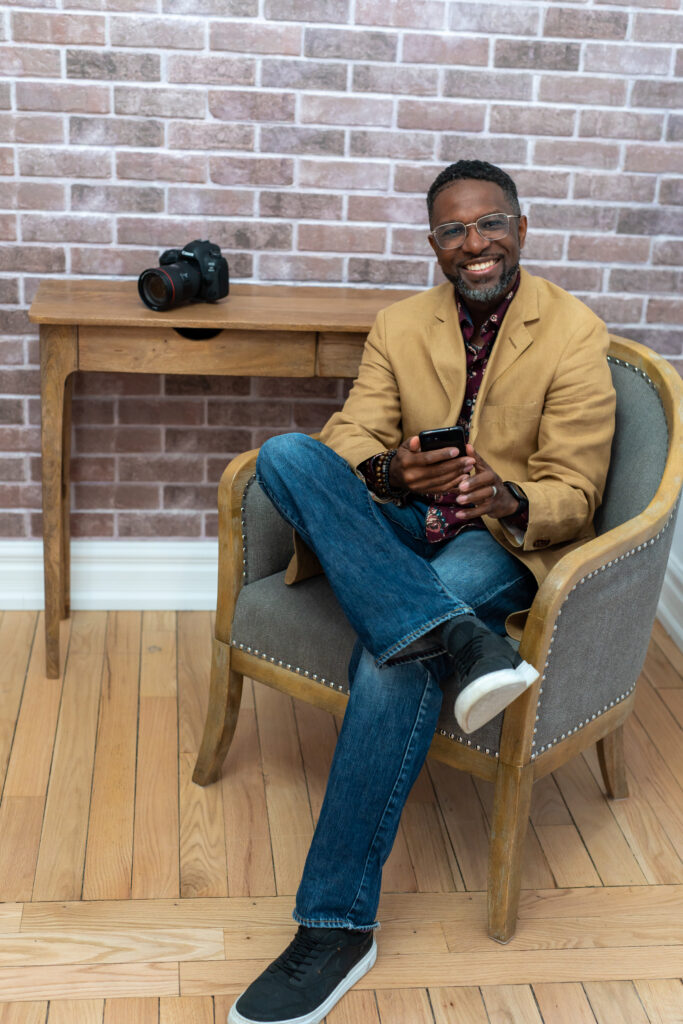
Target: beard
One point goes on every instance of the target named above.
(484, 295)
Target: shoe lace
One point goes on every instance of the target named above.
(469, 654)
(298, 955)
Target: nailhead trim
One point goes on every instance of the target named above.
(297, 669)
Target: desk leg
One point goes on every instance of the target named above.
(65, 550)
(58, 359)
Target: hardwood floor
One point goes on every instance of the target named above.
(131, 896)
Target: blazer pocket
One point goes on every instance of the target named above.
(503, 425)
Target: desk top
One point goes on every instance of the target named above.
(91, 302)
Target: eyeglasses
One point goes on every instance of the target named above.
(490, 226)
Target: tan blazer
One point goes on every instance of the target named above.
(544, 416)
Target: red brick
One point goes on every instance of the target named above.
(253, 413)
(349, 44)
(198, 384)
(17, 61)
(223, 71)
(658, 28)
(89, 411)
(447, 50)
(300, 205)
(536, 55)
(303, 10)
(389, 271)
(32, 259)
(573, 216)
(636, 188)
(12, 352)
(129, 67)
(19, 382)
(543, 245)
(159, 102)
(189, 135)
(654, 159)
(163, 524)
(86, 99)
(162, 33)
(11, 412)
(109, 384)
(499, 151)
(12, 524)
(644, 280)
(51, 228)
(531, 120)
(666, 341)
(442, 115)
(599, 249)
(294, 139)
(340, 238)
(400, 13)
(577, 154)
(161, 468)
(12, 469)
(573, 23)
(539, 184)
(210, 201)
(495, 85)
(83, 524)
(674, 131)
(15, 321)
(300, 268)
(513, 20)
(583, 89)
(296, 387)
(36, 128)
(179, 496)
(114, 198)
(621, 124)
(251, 171)
(89, 469)
(243, 37)
(158, 231)
(67, 163)
(230, 105)
(115, 132)
(40, 195)
(648, 221)
(19, 439)
(161, 167)
(665, 311)
(163, 411)
(221, 8)
(303, 74)
(121, 439)
(112, 261)
(63, 29)
(6, 160)
(671, 191)
(657, 94)
(205, 440)
(312, 416)
(393, 145)
(573, 278)
(396, 80)
(114, 496)
(343, 175)
(400, 210)
(346, 110)
(8, 232)
(649, 60)
(18, 496)
(615, 310)
(410, 242)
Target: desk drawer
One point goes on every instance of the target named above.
(161, 350)
(339, 354)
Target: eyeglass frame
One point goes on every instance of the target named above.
(474, 224)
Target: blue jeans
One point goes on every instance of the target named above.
(394, 588)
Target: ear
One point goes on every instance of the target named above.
(522, 226)
(433, 244)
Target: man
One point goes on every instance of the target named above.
(429, 552)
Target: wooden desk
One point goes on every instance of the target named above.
(265, 331)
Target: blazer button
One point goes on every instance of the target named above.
(542, 542)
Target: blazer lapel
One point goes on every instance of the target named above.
(513, 338)
(447, 351)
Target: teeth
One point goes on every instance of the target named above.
(480, 266)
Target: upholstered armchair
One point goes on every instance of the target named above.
(587, 632)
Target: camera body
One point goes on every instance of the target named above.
(197, 272)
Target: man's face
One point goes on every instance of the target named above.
(481, 270)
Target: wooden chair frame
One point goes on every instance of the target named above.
(514, 771)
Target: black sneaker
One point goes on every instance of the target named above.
(490, 671)
(318, 967)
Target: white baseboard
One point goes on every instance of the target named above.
(180, 575)
(113, 575)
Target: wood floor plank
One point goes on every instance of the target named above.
(563, 1004)
(663, 1000)
(576, 933)
(17, 630)
(615, 1002)
(289, 812)
(592, 812)
(535, 873)
(674, 702)
(668, 647)
(106, 981)
(194, 670)
(186, 1010)
(245, 815)
(567, 856)
(663, 730)
(23, 1013)
(657, 783)
(21, 823)
(79, 946)
(109, 854)
(404, 1006)
(398, 874)
(355, 1008)
(511, 1003)
(465, 822)
(658, 668)
(61, 858)
(458, 1006)
(547, 804)
(131, 1011)
(76, 1011)
(10, 917)
(434, 862)
(203, 865)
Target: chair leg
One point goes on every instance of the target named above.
(511, 804)
(225, 696)
(612, 764)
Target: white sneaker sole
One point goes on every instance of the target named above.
(487, 696)
(315, 1016)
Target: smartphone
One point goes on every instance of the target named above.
(443, 437)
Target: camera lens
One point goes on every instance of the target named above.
(164, 287)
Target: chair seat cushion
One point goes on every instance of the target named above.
(302, 627)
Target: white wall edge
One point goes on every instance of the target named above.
(670, 608)
(116, 575)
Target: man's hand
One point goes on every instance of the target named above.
(433, 472)
(484, 491)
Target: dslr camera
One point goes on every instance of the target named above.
(197, 272)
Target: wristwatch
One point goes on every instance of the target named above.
(518, 493)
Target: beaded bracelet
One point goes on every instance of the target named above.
(381, 484)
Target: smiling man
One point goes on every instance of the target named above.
(430, 552)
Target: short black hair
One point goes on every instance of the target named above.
(481, 171)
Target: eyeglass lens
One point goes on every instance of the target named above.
(490, 226)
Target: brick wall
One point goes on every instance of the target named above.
(301, 135)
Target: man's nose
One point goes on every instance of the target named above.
(473, 240)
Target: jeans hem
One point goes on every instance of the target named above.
(333, 922)
(415, 634)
